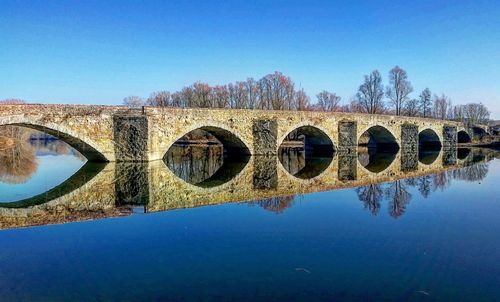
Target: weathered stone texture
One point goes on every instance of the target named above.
(265, 134)
(449, 156)
(409, 161)
(348, 138)
(409, 138)
(348, 166)
(103, 132)
(449, 136)
(132, 183)
(265, 175)
(131, 138)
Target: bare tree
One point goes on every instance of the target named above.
(424, 184)
(411, 108)
(220, 96)
(201, 95)
(441, 105)
(476, 113)
(328, 101)
(459, 113)
(252, 91)
(399, 198)
(399, 89)
(302, 100)
(177, 99)
(159, 99)
(425, 102)
(276, 92)
(12, 102)
(133, 101)
(370, 94)
(371, 196)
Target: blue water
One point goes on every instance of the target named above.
(325, 247)
(51, 171)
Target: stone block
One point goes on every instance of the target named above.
(130, 137)
(265, 133)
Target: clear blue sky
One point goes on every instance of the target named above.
(101, 51)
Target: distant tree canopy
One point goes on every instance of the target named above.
(277, 91)
(12, 102)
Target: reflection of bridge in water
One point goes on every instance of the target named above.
(113, 189)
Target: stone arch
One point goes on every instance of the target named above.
(478, 132)
(378, 137)
(86, 148)
(429, 139)
(463, 137)
(314, 140)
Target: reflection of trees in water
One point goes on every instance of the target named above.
(17, 157)
(19, 147)
(396, 193)
(371, 196)
(398, 196)
(196, 163)
(276, 204)
(440, 181)
(471, 173)
(424, 185)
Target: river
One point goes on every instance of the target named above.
(200, 226)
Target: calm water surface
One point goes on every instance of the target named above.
(433, 237)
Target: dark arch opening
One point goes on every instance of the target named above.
(463, 153)
(427, 157)
(428, 139)
(313, 140)
(207, 157)
(478, 133)
(90, 153)
(463, 137)
(378, 137)
(306, 152)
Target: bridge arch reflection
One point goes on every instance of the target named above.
(117, 187)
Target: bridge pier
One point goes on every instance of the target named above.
(409, 147)
(131, 137)
(265, 134)
(449, 136)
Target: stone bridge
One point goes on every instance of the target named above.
(100, 190)
(116, 133)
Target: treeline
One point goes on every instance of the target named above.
(278, 92)
(274, 91)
